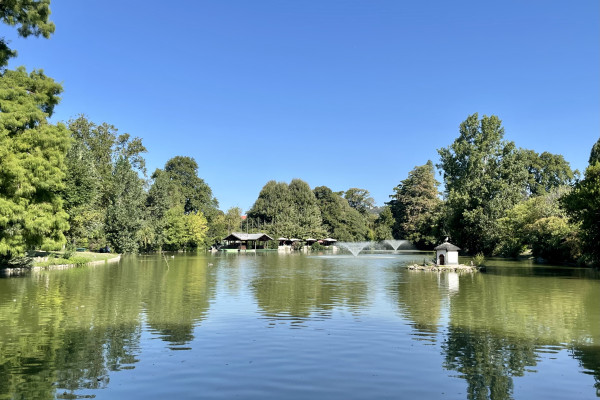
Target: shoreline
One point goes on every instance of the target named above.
(446, 268)
(7, 272)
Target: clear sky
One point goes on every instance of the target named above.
(337, 93)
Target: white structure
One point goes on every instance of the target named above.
(446, 254)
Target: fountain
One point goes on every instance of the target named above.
(354, 247)
(397, 243)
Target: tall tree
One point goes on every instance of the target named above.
(595, 153)
(547, 171)
(341, 221)
(360, 200)
(583, 207)
(416, 206)
(197, 195)
(31, 17)
(483, 176)
(32, 154)
(124, 216)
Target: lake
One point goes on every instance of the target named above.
(269, 326)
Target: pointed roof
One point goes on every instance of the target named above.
(447, 246)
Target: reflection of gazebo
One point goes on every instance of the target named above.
(245, 241)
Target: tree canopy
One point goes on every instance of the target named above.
(416, 206)
(31, 17)
(32, 155)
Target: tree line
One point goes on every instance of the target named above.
(83, 184)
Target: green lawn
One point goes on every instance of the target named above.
(78, 258)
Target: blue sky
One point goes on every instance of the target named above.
(337, 93)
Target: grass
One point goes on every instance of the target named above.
(78, 258)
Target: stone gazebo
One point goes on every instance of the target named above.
(446, 254)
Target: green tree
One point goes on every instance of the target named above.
(360, 200)
(184, 231)
(595, 153)
(416, 206)
(546, 171)
(384, 224)
(233, 219)
(124, 216)
(582, 205)
(288, 210)
(540, 225)
(31, 17)
(197, 195)
(32, 154)
(340, 221)
(484, 176)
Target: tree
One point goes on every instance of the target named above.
(31, 16)
(546, 171)
(32, 154)
(197, 195)
(416, 206)
(289, 210)
(582, 205)
(340, 221)
(595, 153)
(384, 224)
(484, 176)
(124, 216)
(539, 224)
(233, 219)
(360, 200)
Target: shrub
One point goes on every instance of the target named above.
(316, 246)
(479, 260)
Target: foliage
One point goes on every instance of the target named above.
(32, 154)
(483, 177)
(539, 224)
(595, 153)
(289, 210)
(124, 216)
(546, 171)
(340, 221)
(316, 246)
(384, 224)
(196, 194)
(479, 260)
(32, 17)
(582, 205)
(416, 207)
(184, 231)
(360, 200)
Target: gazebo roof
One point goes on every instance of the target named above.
(447, 246)
(329, 240)
(263, 237)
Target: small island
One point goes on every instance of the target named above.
(446, 259)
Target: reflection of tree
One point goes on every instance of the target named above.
(496, 322)
(589, 358)
(419, 298)
(53, 336)
(296, 287)
(66, 330)
(177, 298)
(487, 361)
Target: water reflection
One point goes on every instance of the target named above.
(65, 333)
(297, 289)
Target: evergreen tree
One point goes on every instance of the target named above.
(416, 206)
(31, 16)
(32, 154)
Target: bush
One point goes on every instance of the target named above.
(479, 260)
(316, 246)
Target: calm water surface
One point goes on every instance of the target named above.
(268, 326)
